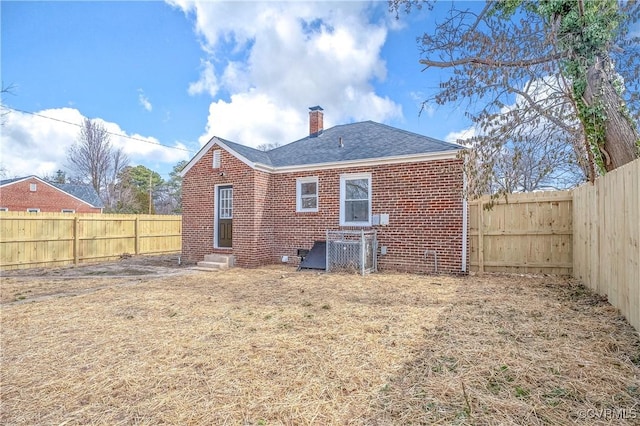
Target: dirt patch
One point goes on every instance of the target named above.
(27, 285)
(127, 265)
(273, 346)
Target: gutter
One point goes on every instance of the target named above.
(413, 158)
(465, 221)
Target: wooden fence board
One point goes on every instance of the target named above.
(632, 224)
(30, 240)
(607, 238)
(523, 233)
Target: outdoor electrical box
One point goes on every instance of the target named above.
(380, 219)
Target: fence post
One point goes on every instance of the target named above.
(327, 253)
(136, 231)
(480, 237)
(362, 252)
(76, 240)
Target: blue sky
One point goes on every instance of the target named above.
(178, 73)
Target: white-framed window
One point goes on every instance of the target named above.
(355, 199)
(307, 194)
(217, 154)
(4, 209)
(33, 187)
(68, 211)
(33, 210)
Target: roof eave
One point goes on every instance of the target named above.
(54, 187)
(399, 159)
(215, 141)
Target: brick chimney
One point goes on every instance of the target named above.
(315, 121)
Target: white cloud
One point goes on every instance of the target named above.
(426, 108)
(208, 82)
(253, 119)
(144, 101)
(273, 60)
(461, 136)
(32, 144)
(144, 149)
(36, 145)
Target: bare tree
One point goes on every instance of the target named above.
(532, 164)
(268, 146)
(561, 68)
(119, 162)
(6, 90)
(93, 158)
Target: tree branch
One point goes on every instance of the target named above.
(490, 62)
(543, 111)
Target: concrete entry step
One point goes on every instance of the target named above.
(216, 262)
(223, 258)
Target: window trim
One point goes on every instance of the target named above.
(299, 182)
(216, 207)
(33, 210)
(67, 211)
(343, 180)
(33, 187)
(4, 209)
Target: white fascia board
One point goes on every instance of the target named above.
(198, 156)
(400, 159)
(240, 157)
(214, 141)
(442, 155)
(22, 180)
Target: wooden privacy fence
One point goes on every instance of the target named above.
(606, 242)
(29, 240)
(523, 233)
(592, 233)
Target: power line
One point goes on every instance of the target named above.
(106, 131)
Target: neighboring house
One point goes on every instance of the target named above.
(32, 194)
(260, 206)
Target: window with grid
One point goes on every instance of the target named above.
(226, 203)
(355, 200)
(307, 194)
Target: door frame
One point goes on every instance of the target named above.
(216, 192)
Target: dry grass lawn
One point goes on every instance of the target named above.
(273, 346)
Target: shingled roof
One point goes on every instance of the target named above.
(353, 142)
(357, 141)
(84, 193)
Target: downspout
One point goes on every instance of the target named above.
(464, 222)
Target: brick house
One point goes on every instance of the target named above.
(32, 194)
(260, 206)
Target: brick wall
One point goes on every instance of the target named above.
(198, 209)
(423, 200)
(19, 197)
